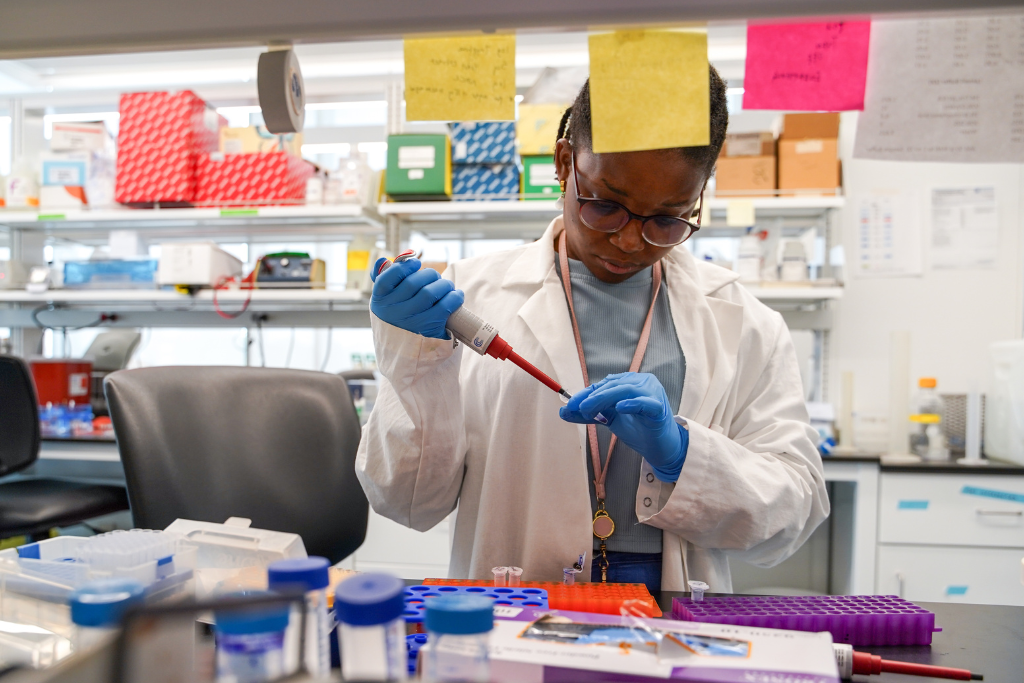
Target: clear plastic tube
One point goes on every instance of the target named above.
(514, 575)
(697, 589)
(500, 576)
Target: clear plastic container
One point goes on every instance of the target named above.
(371, 629)
(250, 641)
(458, 628)
(926, 437)
(311, 575)
(98, 607)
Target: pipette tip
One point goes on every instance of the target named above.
(565, 394)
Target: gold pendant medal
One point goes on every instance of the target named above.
(604, 525)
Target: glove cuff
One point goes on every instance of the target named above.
(670, 473)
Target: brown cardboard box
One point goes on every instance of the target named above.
(811, 164)
(803, 126)
(749, 144)
(738, 175)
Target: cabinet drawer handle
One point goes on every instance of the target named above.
(1001, 513)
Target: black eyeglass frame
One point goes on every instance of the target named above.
(583, 201)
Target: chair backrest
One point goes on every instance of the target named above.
(19, 416)
(356, 374)
(276, 446)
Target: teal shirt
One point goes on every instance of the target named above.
(610, 317)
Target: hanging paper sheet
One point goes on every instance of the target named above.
(945, 90)
(806, 67)
(469, 78)
(649, 90)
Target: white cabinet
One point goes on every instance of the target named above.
(989, 576)
(952, 509)
(951, 537)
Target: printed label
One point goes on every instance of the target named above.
(543, 175)
(415, 174)
(991, 493)
(480, 338)
(78, 384)
(461, 149)
(506, 612)
(912, 505)
(809, 147)
(422, 156)
(743, 145)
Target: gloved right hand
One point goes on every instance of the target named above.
(416, 300)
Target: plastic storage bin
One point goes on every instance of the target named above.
(114, 274)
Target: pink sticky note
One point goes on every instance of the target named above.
(806, 67)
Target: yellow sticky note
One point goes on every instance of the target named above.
(649, 90)
(739, 213)
(537, 127)
(460, 79)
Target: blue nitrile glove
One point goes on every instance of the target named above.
(638, 412)
(416, 300)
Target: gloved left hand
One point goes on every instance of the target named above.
(638, 412)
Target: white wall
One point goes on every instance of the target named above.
(953, 315)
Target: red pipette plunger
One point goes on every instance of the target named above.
(862, 663)
(482, 337)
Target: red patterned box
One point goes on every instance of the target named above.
(251, 178)
(160, 136)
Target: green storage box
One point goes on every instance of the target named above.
(419, 167)
(538, 180)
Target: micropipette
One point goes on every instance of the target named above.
(482, 337)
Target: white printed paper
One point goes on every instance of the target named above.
(945, 90)
(965, 228)
(888, 236)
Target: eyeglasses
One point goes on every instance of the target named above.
(604, 215)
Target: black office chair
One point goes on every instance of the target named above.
(34, 506)
(276, 446)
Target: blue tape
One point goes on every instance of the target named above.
(956, 590)
(912, 505)
(991, 493)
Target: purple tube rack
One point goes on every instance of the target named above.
(417, 596)
(852, 619)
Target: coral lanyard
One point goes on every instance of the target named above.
(600, 473)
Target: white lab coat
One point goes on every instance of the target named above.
(452, 428)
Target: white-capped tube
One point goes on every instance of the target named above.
(514, 575)
(471, 329)
(500, 574)
(697, 589)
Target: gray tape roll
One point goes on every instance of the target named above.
(282, 92)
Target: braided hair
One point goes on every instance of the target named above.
(575, 124)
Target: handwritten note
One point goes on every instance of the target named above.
(460, 79)
(807, 67)
(649, 90)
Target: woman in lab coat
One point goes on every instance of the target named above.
(716, 457)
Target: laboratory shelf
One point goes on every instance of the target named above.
(796, 293)
(255, 223)
(160, 296)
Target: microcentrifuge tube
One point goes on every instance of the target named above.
(697, 589)
(514, 574)
(569, 575)
(500, 574)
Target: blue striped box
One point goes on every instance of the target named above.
(471, 182)
(484, 143)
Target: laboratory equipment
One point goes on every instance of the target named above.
(139, 273)
(414, 642)
(482, 337)
(371, 631)
(515, 575)
(794, 262)
(235, 544)
(290, 268)
(500, 576)
(458, 628)
(899, 395)
(98, 607)
(602, 598)
(749, 257)
(416, 598)
(697, 589)
(312, 576)
(58, 381)
(972, 431)
(852, 619)
(1004, 404)
(926, 439)
(853, 663)
(197, 264)
(250, 641)
(13, 274)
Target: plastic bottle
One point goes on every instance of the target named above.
(311, 575)
(250, 641)
(97, 608)
(926, 438)
(22, 188)
(459, 628)
(750, 257)
(371, 628)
